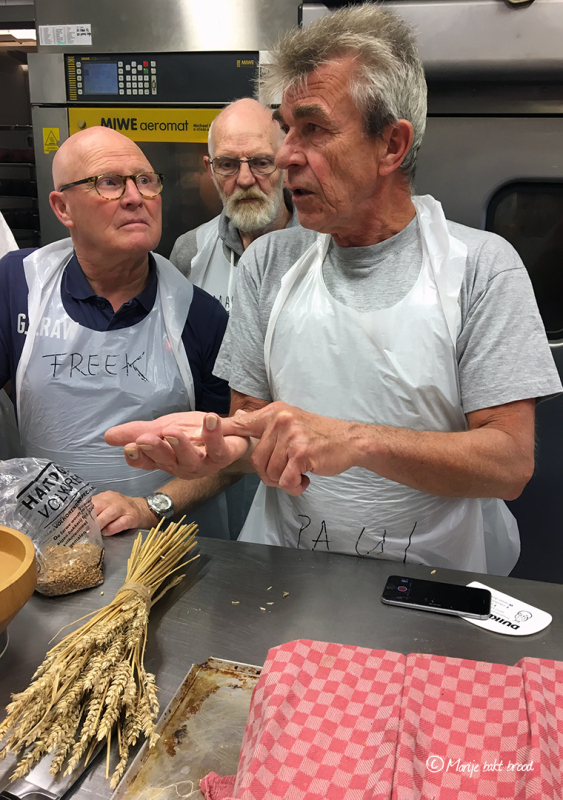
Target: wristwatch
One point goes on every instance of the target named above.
(161, 505)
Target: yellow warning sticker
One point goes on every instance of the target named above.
(147, 124)
(51, 139)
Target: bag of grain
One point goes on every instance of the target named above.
(54, 508)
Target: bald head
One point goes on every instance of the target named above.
(242, 120)
(105, 232)
(90, 150)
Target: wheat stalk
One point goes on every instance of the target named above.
(93, 685)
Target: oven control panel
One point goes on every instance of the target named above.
(160, 77)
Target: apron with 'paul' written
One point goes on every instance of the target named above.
(395, 367)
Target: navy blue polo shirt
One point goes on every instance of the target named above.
(203, 330)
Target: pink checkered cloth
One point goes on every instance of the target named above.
(333, 722)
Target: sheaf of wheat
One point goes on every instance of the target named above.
(93, 686)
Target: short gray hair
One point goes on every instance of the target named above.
(389, 83)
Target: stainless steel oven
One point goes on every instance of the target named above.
(493, 151)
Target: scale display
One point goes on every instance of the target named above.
(100, 78)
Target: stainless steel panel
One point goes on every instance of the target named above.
(480, 37)
(167, 25)
(464, 160)
(332, 598)
(17, 14)
(43, 117)
(46, 78)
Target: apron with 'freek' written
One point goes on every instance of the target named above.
(395, 367)
(74, 383)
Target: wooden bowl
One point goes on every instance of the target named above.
(18, 573)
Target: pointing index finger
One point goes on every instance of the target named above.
(251, 424)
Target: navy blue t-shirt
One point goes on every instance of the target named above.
(202, 335)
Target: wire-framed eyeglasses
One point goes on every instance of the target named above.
(111, 186)
(259, 165)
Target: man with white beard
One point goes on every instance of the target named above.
(243, 142)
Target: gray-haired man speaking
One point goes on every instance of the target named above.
(388, 360)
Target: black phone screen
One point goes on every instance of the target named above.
(446, 597)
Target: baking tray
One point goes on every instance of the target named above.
(200, 731)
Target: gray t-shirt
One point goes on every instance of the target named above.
(502, 349)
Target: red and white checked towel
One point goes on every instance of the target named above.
(334, 722)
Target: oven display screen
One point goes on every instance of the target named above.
(100, 78)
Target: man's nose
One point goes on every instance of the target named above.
(289, 154)
(131, 195)
(245, 176)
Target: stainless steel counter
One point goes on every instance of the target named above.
(331, 598)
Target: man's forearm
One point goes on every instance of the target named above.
(494, 458)
(189, 495)
(476, 463)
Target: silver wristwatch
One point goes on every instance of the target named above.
(161, 505)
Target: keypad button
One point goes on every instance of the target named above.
(120, 72)
(153, 63)
(133, 63)
(147, 91)
(122, 91)
(145, 63)
(128, 91)
(134, 91)
(120, 63)
(153, 70)
(80, 91)
(127, 67)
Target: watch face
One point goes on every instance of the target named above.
(160, 503)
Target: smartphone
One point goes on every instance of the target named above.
(444, 598)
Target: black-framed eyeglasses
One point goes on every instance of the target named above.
(111, 186)
(259, 165)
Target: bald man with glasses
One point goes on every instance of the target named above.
(97, 327)
(243, 142)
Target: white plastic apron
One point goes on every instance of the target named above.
(210, 269)
(7, 241)
(74, 383)
(396, 367)
(9, 441)
(217, 275)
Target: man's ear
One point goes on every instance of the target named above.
(398, 138)
(207, 162)
(58, 203)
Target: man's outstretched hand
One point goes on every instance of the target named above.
(187, 445)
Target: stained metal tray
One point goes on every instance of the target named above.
(200, 731)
